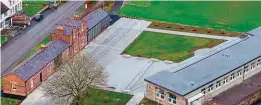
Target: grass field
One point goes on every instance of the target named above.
(99, 97)
(8, 101)
(167, 47)
(31, 7)
(238, 16)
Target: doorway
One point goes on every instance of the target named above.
(41, 77)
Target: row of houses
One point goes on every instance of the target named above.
(202, 80)
(70, 36)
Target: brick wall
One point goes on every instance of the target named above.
(17, 82)
(34, 82)
(151, 94)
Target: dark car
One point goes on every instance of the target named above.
(38, 17)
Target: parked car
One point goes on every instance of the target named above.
(38, 17)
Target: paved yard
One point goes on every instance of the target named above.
(125, 73)
(128, 73)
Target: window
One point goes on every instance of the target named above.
(246, 68)
(32, 83)
(82, 27)
(13, 86)
(225, 80)
(10, 2)
(5, 14)
(218, 84)
(232, 76)
(172, 99)
(258, 62)
(159, 93)
(203, 91)
(210, 88)
(252, 66)
(239, 72)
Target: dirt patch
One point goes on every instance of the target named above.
(192, 29)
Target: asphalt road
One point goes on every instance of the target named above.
(19, 46)
(116, 7)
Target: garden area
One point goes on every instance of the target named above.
(235, 16)
(170, 47)
(31, 7)
(103, 97)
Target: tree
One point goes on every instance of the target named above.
(73, 79)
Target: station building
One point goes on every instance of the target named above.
(69, 37)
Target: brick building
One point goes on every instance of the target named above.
(73, 31)
(206, 78)
(29, 74)
(70, 36)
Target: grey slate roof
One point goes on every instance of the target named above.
(68, 25)
(92, 19)
(4, 8)
(35, 64)
(95, 17)
(211, 68)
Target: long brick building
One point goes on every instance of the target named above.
(70, 37)
(210, 76)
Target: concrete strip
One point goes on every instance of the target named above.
(191, 34)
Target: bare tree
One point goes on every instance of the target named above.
(73, 79)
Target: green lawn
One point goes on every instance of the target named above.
(8, 101)
(146, 101)
(31, 7)
(239, 16)
(98, 97)
(140, 3)
(3, 39)
(167, 47)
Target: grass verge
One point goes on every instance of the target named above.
(103, 97)
(9, 101)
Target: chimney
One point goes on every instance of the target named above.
(76, 17)
(43, 47)
(59, 29)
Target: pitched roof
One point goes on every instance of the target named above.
(4, 8)
(92, 19)
(68, 25)
(95, 17)
(210, 68)
(35, 64)
(238, 92)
